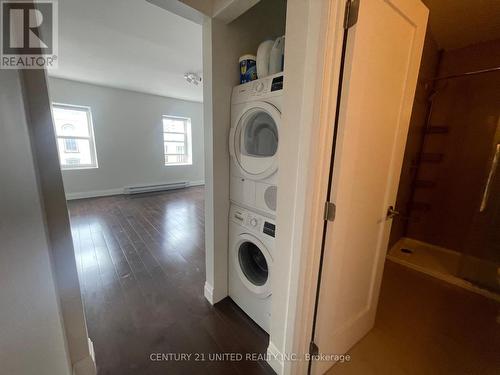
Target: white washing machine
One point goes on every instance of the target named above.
(253, 143)
(250, 263)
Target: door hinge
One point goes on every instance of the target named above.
(351, 13)
(329, 211)
(313, 348)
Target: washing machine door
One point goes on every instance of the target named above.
(253, 141)
(253, 263)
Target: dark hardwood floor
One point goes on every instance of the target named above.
(141, 261)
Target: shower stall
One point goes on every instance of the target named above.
(449, 194)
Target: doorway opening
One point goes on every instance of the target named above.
(445, 220)
(130, 140)
(440, 288)
(450, 184)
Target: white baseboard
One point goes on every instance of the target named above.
(209, 292)
(93, 194)
(108, 192)
(275, 359)
(212, 295)
(91, 349)
(197, 183)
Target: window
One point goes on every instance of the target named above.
(75, 136)
(177, 140)
(70, 144)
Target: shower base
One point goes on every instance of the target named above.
(434, 261)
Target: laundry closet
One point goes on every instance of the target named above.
(351, 71)
(246, 85)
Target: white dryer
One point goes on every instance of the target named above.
(254, 142)
(251, 248)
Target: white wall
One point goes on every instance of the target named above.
(31, 333)
(222, 46)
(129, 138)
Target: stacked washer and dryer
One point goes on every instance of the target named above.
(253, 144)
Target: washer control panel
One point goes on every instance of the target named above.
(269, 229)
(253, 221)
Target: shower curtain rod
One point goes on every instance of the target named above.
(467, 74)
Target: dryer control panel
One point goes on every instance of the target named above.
(259, 89)
(254, 222)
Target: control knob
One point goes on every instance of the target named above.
(259, 86)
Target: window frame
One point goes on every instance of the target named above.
(188, 149)
(91, 139)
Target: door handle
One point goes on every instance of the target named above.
(491, 175)
(391, 212)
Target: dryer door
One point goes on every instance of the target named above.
(254, 140)
(253, 263)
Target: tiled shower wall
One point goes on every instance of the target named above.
(453, 166)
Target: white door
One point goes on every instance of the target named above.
(382, 60)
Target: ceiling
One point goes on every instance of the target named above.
(460, 23)
(129, 44)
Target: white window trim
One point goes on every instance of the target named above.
(188, 136)
(93, 151)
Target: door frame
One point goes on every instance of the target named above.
(322, 159)
(308, 204)
(324, 37)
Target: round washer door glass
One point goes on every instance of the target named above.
(253, 263)
(256, 141)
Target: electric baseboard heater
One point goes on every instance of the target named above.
(153, 188)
